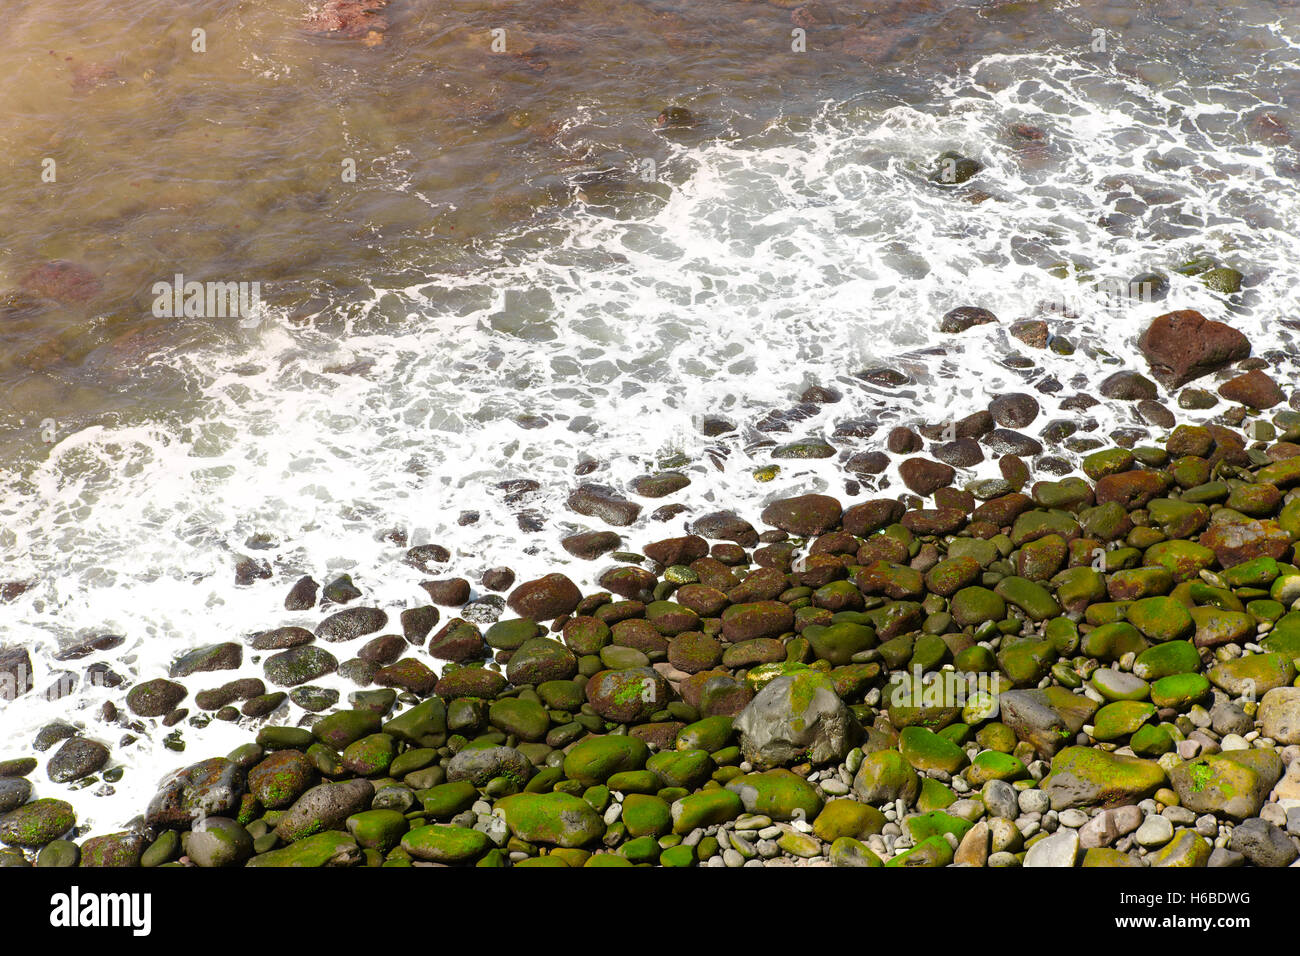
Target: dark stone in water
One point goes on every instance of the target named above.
(423, 557)
(1004, 441)
(953, 169)
(417, 622)
(884, 377)
(77, 758)
(348, 19)
(14, 792)
(461, 641)
(867, 463)
(52, 733)
(63, 281)
(498, 579)
(85, 646)
(1128, 386)
(211, 787)
(964, 317)
(1184, 345)
(154, 698)
(659, 485)
(821, 395)
(903, 441)
(302, 596)
(962, 453)
(298, 665)
(214, 657)
(924, 476)
(1014, 410)
(354, 622)
(725, 526)
(1153, 413)
(603, 502)
(855, 428)
(669, 512)
(248, 570)
(281, 638)
(383, 649)
(449, 592)
(341, 590)
(712, 426)
(675, 117)
(1078, 403)
(590, 545)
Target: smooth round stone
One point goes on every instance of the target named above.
(1073, 818)
(617, 657)
(1154, 831)
(1119, 685)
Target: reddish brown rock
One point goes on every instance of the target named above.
(63, 281)
(1236, 541)
(348, 19)
(681, 550)
(1184, 345)
(805, 515)
(924, 476)
(870, 516)
(1254, 390)
(545, 598)
(1132, 489)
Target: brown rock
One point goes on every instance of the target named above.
(1184, 345)
(805, 515)
(924, 476)
(1254, 390)
(545, 598)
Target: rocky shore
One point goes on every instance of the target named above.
(1035, 670)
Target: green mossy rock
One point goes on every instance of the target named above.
(706, 808)
(682, 768)
(448, 799)
(975, 605)
(847, 851)
(1030, 596)
(709, 734)
(331, 848)
(885, 776)
(646, 815)
(557, 819)
(1121, 718)
(596, 759)
(526, 719)
(933, 851)
(1180, 691)
(925, 750)
(778, 794)
(1255, 674)
(1234, 784)
(995, 765)
(848, 818)
(1161, 618)
(345, 727)
(1167, 659)
(1086, 777)
(36, 823)
(442, 843)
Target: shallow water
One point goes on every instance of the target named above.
(501, 294)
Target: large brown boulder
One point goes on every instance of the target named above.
(1184, 345)
(805, 515)
(545, 598)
